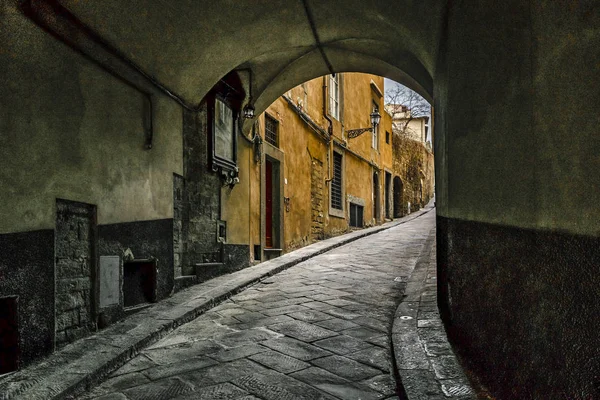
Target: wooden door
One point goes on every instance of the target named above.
(269, 204)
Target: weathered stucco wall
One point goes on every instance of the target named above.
(517, 151)
(307, 164)
(308, 156)
(236, 201)
(516, 148)
(300, 146)
(71, 130)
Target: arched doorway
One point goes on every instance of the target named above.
(398, 190)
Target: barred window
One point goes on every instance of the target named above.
(271, 130)
(336, 183)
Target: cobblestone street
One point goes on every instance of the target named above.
(319, 330)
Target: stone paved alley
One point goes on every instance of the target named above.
(319, 330)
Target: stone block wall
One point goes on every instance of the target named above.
(414, 164)
(178, 210)
(75, 271)
(201, 198)
(316, 198)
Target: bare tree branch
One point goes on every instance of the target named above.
(405, 105)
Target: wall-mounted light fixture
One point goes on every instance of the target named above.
(249, 110)
(249, 107)
(375, 120)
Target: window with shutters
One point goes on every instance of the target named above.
(334, 96)
(336, 183)
(271, 130)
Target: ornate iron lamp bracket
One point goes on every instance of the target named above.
(353, 133)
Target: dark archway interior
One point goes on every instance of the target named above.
(515, 137)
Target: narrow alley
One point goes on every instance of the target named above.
(319, 330)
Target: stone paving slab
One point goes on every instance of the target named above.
(285, 356)
(82, 364)
(425, 362)
(335, 385)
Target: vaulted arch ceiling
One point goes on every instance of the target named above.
(188, 45)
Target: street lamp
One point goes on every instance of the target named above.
(249, 109)
(375, 119)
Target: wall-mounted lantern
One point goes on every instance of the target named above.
(375, 120)
(249, 107)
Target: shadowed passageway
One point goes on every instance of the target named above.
(106, 106)
(317, 330)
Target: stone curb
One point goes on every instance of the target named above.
(86, 362)
(425, 366)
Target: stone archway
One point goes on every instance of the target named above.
(398, 192)
(504, 168)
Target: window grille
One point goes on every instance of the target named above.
(271, 130)
(336, 183)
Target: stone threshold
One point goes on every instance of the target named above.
(83, 364)
(425, 366)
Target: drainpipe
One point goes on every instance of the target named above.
(330, 132)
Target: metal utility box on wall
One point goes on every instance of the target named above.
(110, 281)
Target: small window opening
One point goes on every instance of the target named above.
(257, 252)
(271, 130)
(9, 334)
(356, 215)
(336, 183)
(139, 282)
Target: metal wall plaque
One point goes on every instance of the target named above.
(110, 276)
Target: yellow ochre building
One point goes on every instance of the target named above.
(310, 171)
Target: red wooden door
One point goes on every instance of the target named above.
(269, 204)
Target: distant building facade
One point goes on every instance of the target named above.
(312, 180)
(413, 158)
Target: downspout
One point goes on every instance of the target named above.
(330, 132)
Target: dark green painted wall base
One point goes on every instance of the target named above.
(523, 307)
(27, 271)
(146, 239)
